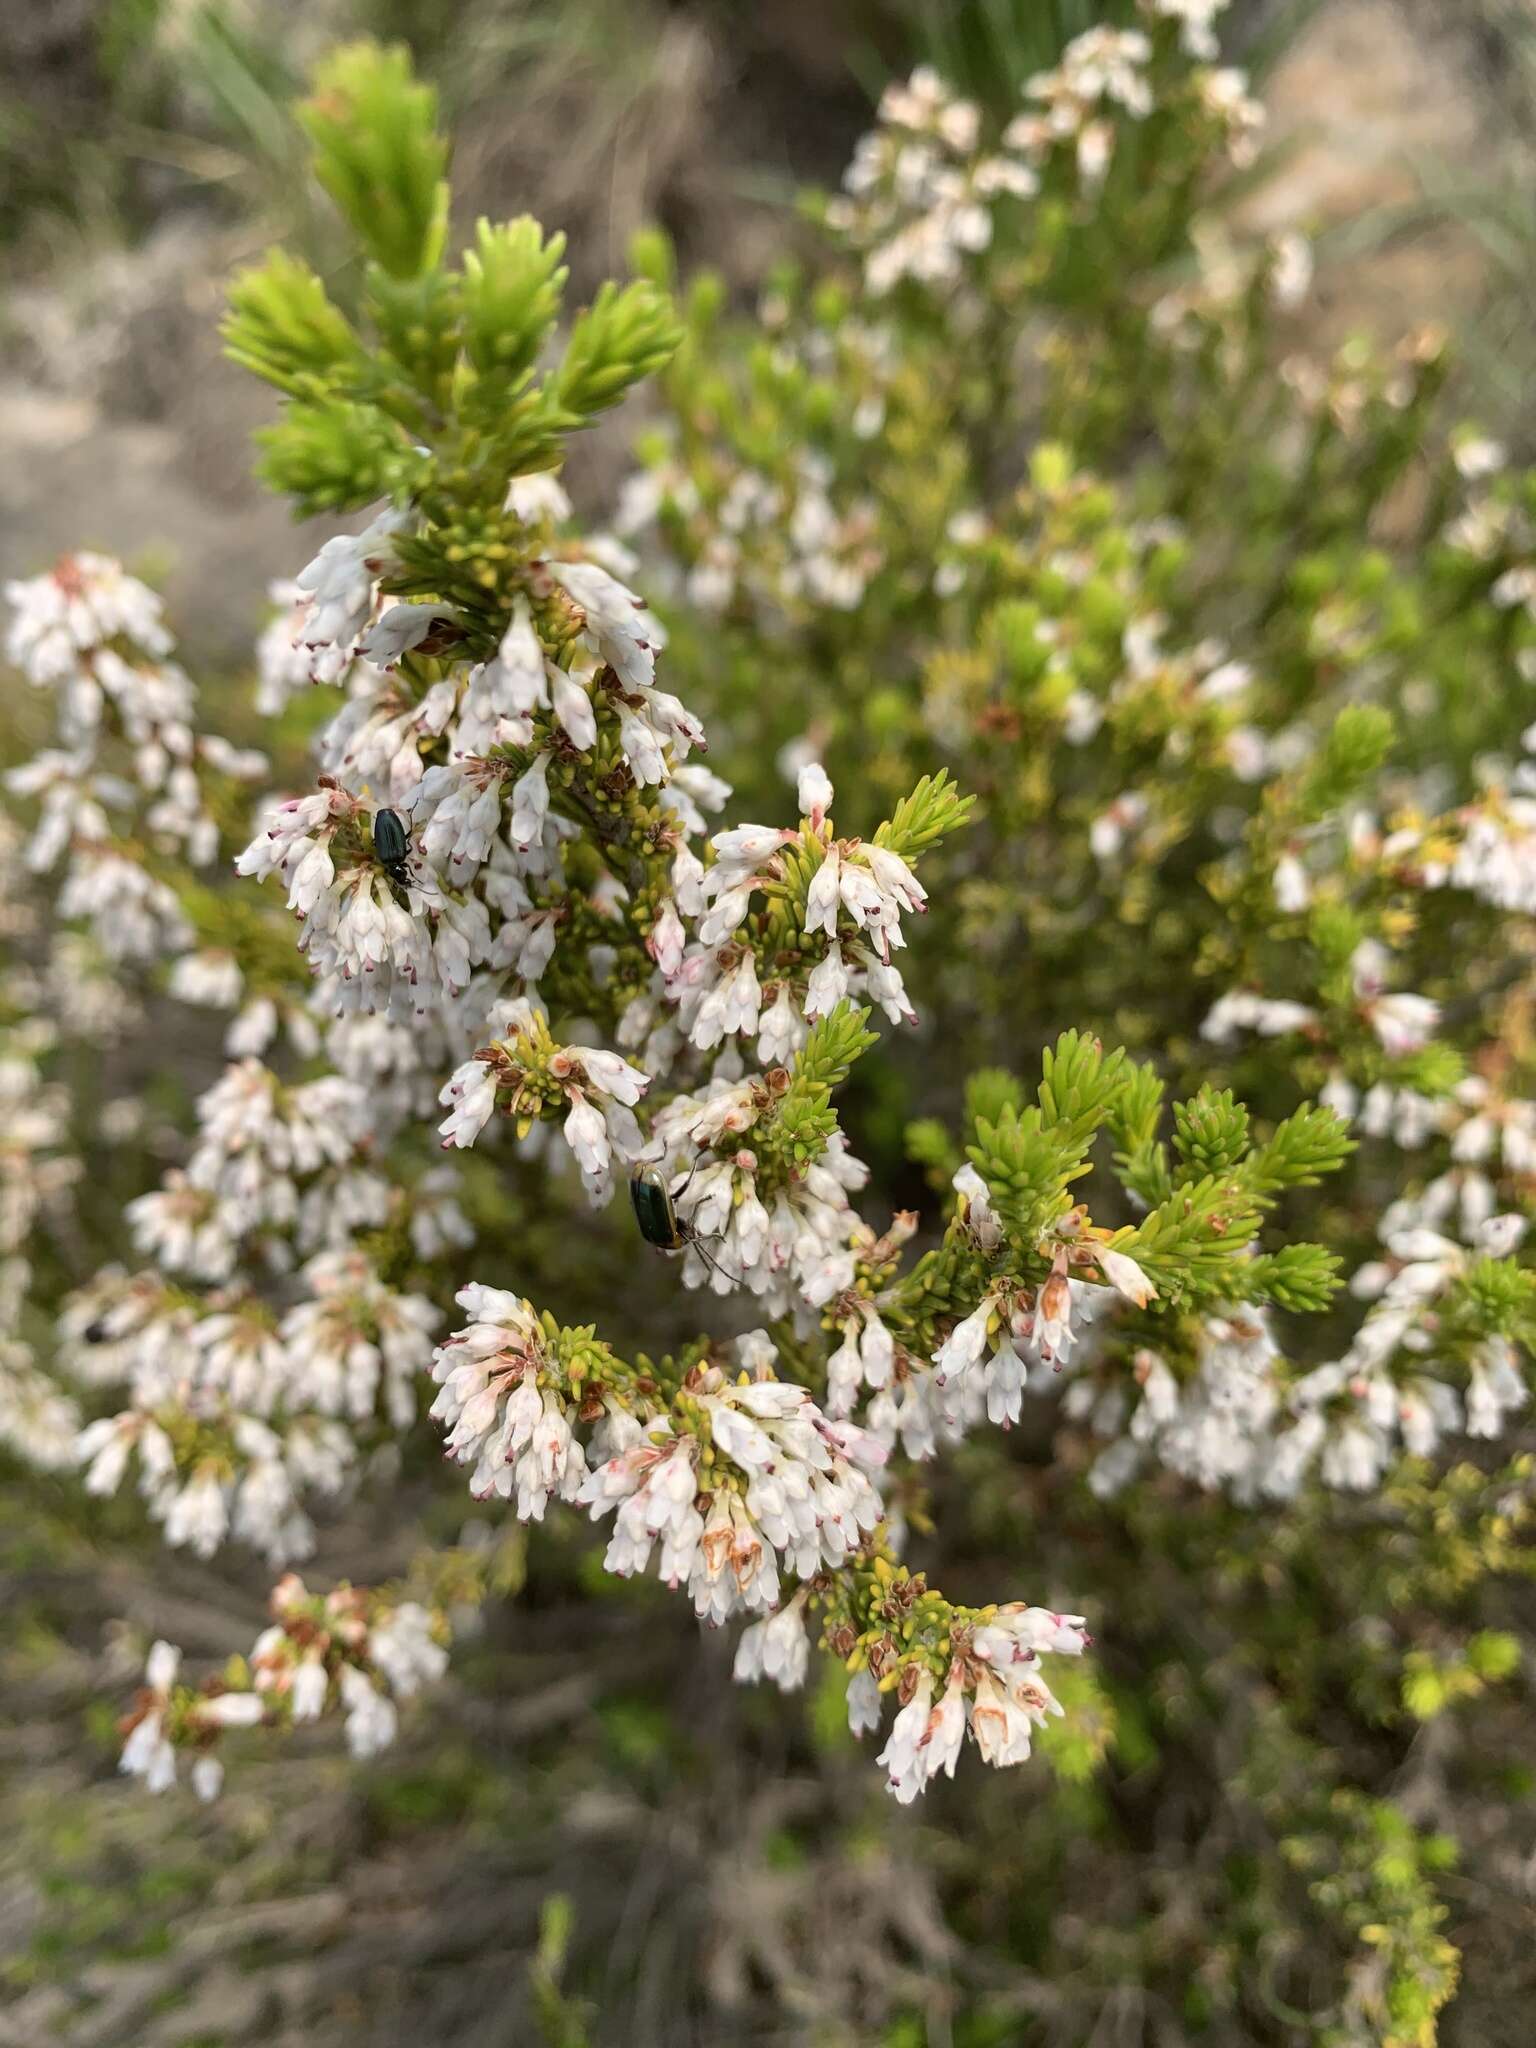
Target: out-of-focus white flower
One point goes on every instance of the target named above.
(371, 1720)
(147, 1753)
(776, 1648)
(1244, 1010)
(406, 1651)
(1196, 19)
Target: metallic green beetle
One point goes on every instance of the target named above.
(656, 1214)
(655, 1211)
(391, 842)
(392, 850)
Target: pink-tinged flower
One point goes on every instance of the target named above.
(338, 584)
(863, 1702)
(745, 847)
(401, 628)
(822, 897)
(776, 1648)
(470, 1098)
(621, 629)
(587, 1135)
(781, 1030)
(530, 802)
(573, 708)
(905, 1760)
(667, 940)
(1000, 1726)
(828, 984)
(1404, 1023)
(147, 1753)
(607, 1074)
(967, 1341)
(1126, 1277)
(1053, 1314)
(813, 793)
(518, 676)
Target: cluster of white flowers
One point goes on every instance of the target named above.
(1403, 1023)
(38, 1420)
(1350, 1418)
(800, 542)
(735, 1480)
(243, 1481)
(1016, 1339)
(149, 1753)
(37, 1167)
(921, 193)
(1019, 1336)
(794, 1249)
(1237, 1417)
(233, 1398)
(93, 637)
(356, 1337)
(916, 197)
(1213, 1427)
(993, 1691)
(1494, 528)
(504, 1414)
(348, 1651)
(39, 1173)
(377, 738)
(371, 939)
(787, 1489)
(921, 200)
(508, 852)
(334, 598)
(235, 1407)
(345, 1651)
(598, 1089)
(479, 893)
(1235, 1414)
(1496, 856)
(854, 904)
(272, 1162)
(1101, 74)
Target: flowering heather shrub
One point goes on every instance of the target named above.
(1140, 723)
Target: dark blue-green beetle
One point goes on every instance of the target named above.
(655, 1211)
(656, 1214)
(392, 850)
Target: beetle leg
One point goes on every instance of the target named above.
(697, 1243)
